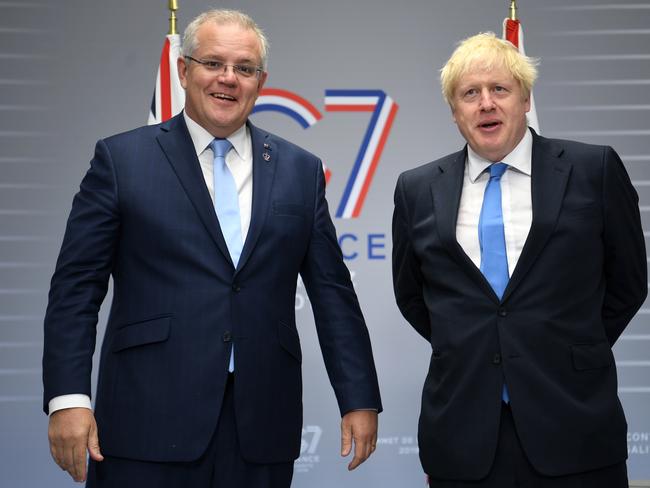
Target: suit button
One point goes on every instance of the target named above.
(436, 354)
(496, 359)
(227, 336)
(236, 288)
(502, 312)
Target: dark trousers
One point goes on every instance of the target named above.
(511, 468)
(221, 466)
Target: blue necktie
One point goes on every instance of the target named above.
(226, 199)
(494, 259)
(226, 204)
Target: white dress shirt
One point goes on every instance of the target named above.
(240, 162)
(516, 202)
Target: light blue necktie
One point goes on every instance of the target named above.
(494, 259)
(226, 204)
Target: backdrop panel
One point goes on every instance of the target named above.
(77, 71)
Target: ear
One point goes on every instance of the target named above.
(261, 81)
(527, 103)
(181, 66)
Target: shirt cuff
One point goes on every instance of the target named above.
(76, 400)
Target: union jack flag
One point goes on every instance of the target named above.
(513, 32)
(168, 96)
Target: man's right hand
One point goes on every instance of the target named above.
(71, 432)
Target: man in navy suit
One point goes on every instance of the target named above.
(205, 223)
(520, 259)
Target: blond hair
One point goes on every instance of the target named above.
(223, 16)
(486, 51)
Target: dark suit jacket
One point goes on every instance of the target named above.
(144, 216)
(580, 279)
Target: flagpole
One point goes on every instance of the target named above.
(513, 10)
(173, 7)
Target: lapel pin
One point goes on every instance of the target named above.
(266, 156)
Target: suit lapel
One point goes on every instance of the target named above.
(446, 190)
(176, 143)
(265, 155)
(550, 175)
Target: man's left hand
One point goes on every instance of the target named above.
(360, 426)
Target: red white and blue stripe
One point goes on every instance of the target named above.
(514, 32)
(383, 110)
(293, 105)
(168, 96)
(288, 103)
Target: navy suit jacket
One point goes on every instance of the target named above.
(144, 216)
(579, 280)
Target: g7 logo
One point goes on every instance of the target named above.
(310, 438)
(383, 110)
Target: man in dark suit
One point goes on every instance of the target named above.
(205, 223)
(521, 260)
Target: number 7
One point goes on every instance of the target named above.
(383, 110)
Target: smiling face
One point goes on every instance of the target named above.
(221, 102)
(489, 107)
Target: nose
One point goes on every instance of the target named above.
(227, 74)
(486, 101)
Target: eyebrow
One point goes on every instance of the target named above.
(218, 57)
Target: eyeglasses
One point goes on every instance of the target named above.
(244, 70)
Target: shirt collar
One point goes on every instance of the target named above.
(519, 158)
(201, 138)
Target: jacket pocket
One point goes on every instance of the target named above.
(289, 209)
(591, 356)
(289, 340)
(141, 333)
(582, 212)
